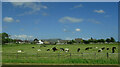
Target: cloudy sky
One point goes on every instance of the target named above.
(63, 20)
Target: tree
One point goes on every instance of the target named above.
(112, 39)
(5, 38)
(102, 40)
(86, 41)
(108, 40)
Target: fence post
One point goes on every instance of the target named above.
(58, 56)
(17, 56)
(95, 55)
(82, 55)
(70, 55)
(37, 55)
(107, 55)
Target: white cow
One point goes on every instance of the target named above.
(19, 51)
(38, 50)
(66, 50)
(40, 42)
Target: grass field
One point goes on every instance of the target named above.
(31, 55)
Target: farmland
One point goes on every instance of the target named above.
(32, 55)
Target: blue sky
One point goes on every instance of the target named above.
(63, 20)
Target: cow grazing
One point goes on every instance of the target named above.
(103, 48)
(113, 49)
(108, 48)
(78, 50)
(33, 47)
(96, 47)
(100, 50)
(66, 50)
(38, 50)
(54, 49)
(62, 49)
(87, 48)
(48, 49)
(19, 51)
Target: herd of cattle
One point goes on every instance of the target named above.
(78, 49)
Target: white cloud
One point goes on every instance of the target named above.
(78, 6)
(34, 7)
(99, 11)
(77, 29)
(8, 19)
(93, 21)
(21, 36)
(70, 19)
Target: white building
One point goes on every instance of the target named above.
(40, 42)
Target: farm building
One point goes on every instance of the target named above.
(63, 41)
(78, 40)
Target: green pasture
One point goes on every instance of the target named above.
(32, 55)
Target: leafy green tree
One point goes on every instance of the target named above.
(108, 40)
(112, 39)
(86, 41)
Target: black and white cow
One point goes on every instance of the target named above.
(113, 49)
(78, 50)
(62, 49)
(54, 49)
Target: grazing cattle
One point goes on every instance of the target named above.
(107, 48)
(33, 47)
(103, 48)
(38, 50)
(54, 49)
(113, 49)
(87, 48)
(78, 50)
(66, 50)
(48, 49)
(19, 51)
(96, 47)
(100, 50)
(62, 49)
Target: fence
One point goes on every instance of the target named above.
(60, 55)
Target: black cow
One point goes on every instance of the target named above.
(33, 47)
(100, 50)
(48, 49)
(113, 49)
(103, 48)
(62, 49)
(54, 49)
(78, 50)
(108, 48)
(87, 48)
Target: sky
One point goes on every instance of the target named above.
(64, 20)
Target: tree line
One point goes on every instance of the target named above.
(5, 38)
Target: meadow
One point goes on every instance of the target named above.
(32, 55)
